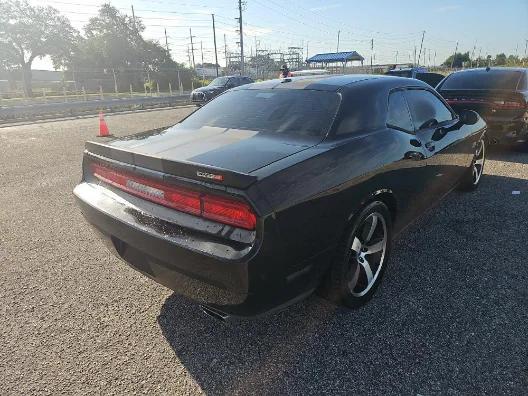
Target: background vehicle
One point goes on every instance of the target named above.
(278, 188)
(309, 72)
(420, 73)
(499, 95)
(220, 84)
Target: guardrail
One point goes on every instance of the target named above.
(50, 110)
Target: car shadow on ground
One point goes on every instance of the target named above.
(449, 318)
(517, 154)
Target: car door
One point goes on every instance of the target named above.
(410, 176)
(439, 132)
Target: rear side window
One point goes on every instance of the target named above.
(299, 112)
(398, 115)
(424, 107)
(482, 79)
(363, 109)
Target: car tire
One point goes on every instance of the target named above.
(356, 271)
(473, 176)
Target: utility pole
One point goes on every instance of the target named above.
(225, 50)
(136, 31)
(434, 59)
(525, 51)
(429, 57)
(192, 48)
(189, 56)
(414, 59)
(203, 69)
(454, 55)
(421, 44)
(134, 18)
(473, 54)
(396, 60)
(371, 53)
(338, 34)
(241, 37)
(256, 57)
(166, 42)
(216, 53)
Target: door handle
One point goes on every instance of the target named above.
(414, 155)
(430, 146)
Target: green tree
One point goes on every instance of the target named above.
(113, 44)
(513, 60)
(457, 60)
(500, 59)
(28, 32)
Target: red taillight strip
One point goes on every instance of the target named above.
(223, 210)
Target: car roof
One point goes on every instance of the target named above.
(330, 82)
(494, 68)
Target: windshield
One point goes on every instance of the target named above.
(297, 112)
(218, 81)
(482, 79)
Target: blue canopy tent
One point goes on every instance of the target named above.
(336, 57)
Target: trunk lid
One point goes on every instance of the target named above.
(219, 155)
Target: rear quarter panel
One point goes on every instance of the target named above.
(313, 200)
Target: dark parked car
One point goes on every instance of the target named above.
(498, 94)
(220, 84)
(277, 189)
(420, 73)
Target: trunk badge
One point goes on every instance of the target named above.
(211, 176)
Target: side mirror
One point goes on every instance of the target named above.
(429, 124)
(468, 117)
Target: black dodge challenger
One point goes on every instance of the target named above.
(274, 190)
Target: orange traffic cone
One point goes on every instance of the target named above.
(103, 128)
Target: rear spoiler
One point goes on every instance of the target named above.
(186, 169)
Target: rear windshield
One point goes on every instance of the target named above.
(299, 112)
(482, 79)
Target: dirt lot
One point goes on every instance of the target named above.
(451, 316)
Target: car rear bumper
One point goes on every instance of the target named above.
(507, 131)
(235, 278)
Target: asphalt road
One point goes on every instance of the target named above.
(450, 318)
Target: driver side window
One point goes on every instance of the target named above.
(425, 107)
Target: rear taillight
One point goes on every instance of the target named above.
(228, 211)
(224, 210)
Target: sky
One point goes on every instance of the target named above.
(396, 27)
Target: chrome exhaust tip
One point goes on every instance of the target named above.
(215, 313)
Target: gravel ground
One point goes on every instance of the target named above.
(451, 316)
